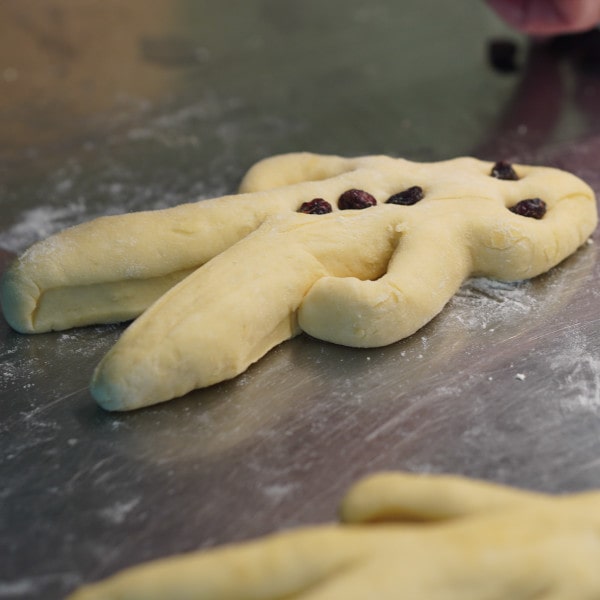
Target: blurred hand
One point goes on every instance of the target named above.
(549, 17)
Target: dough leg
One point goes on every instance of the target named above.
(425, 271)
(513, 545)
(404, 497)
(230, 312)
(279, 566)
(112, 268)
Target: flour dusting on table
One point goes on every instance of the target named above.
(483, 303)
(109, 177)
(579, 362)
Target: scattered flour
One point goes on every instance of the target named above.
(277, 492)
(189, 153)
(117, 513)
(482, 303)
(580, 387)
(33, 586)
(40, 222)
(18, 588)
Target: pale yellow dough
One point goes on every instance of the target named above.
(227, 279)
(404, 536)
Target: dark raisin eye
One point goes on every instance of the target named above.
(502, 54)
(531, 207)
(407, 197)
(317, 206)
(356, 199)
(504, 170)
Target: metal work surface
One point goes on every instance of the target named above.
(107, 107)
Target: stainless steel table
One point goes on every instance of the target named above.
(114, 106)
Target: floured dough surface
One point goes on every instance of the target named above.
(402, 536)
(221, 282)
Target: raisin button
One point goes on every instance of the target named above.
(318, 206)
(356, 199)
(407, 197)
(531, 207)
(504, 170)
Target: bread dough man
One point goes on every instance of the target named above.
(220, 282)
(403, 536)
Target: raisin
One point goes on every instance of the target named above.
(504, 170)
(502, 54)
(317, 206)
(356, 199)
(531, 207)
(407, 197)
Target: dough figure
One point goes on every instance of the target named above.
(226, 280)
(403, 536)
